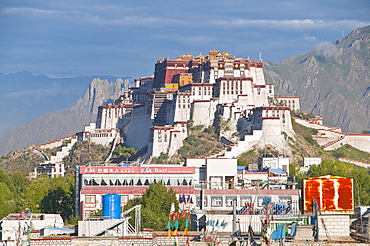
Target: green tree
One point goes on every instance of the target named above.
(11, 191)
(295, 171)
(35, 192)
(20, 182)
(361, 177)
(156, 204)
(6, 200)
(60, 198)
(51, 195)
(329, 167)
(122, 151)
(161, 159)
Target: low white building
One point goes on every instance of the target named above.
(307, 162)
(98, 136)
(50, 169)
(274, 163)
(291, 102)
(14, 226)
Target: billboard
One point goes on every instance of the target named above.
(334, 194)
(136, 170)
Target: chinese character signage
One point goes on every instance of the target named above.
(137, 170)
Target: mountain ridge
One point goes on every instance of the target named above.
(55, 125)
(24, 97)
(331, 81)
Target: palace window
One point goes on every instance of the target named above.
(124, 200)
(90, 199)
(216, 201)
(245, 200)
(204, 202)
(229, 201)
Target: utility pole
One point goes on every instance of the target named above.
(315, 210)
(234, 215)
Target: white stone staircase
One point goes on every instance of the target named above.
(65, 151)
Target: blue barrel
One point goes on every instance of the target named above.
(111, 206)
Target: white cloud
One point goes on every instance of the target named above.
(326, 48)
(289, 24)
(134, 21)
(29, 93)
(310, 38)
(36, 11)
(186, 39)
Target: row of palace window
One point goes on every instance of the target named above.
(101, 135)
(215, 201)
(91, 199)
(220, 201)
(184, 106)
(117, 112)
(232, 92)
(207, 91)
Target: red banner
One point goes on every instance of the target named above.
(137, 170)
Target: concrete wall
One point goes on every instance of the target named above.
(358, 141)
(89, 228)
(337, 226)
(157, 241)
(112, 241)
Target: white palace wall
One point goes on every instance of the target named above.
(358, 141)
(202, 112)
(271, 134)
(136, 132)
(257, 75)
(361, 142)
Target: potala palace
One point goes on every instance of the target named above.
(218, 86)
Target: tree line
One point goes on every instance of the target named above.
(57, 195)
(40, 195)
(360, 175)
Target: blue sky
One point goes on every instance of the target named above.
(126, 37)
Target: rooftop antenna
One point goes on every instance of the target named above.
(260, 56)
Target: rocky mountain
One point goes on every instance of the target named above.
(332, 81)
(55, 125)
(24, 96)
